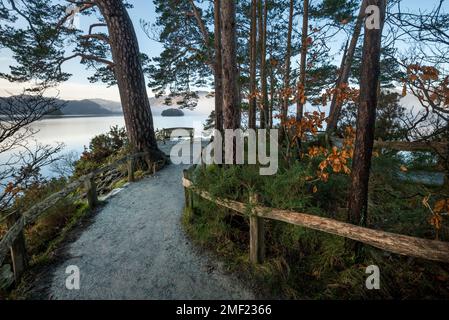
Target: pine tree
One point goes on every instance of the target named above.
(39, 50)
(366, 119)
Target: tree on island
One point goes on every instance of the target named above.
(172, 112)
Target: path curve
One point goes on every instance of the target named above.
(136, 249)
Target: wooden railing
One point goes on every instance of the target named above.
(395, 243)
(13, 240)
(440, 147)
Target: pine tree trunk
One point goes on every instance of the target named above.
(302, 71)
(218, 71)
(345, 70)
(214, 57)
(366, 118)
(231, 108)
(253, 66)
(263, 12)
(286, 97)
(130, 78)
(272, 93)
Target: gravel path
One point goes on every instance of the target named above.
(136, 249)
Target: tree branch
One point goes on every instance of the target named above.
(98, 36)
(200, 22)
(87, 57)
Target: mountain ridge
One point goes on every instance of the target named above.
(103, 107)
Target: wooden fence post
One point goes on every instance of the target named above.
(256, 234)
(131, 168)
(188, 194)
(18, 250)
(91, 189)
(186, 190)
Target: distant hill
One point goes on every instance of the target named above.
(204, 107)
(112, 106)
(104, 107)
(89, 107)
(85, 107)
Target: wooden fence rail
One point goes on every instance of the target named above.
(440, 147)
(395, 243)
(13, 240)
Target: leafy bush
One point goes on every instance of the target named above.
(52, 221)
(307, 264)
(101, 148)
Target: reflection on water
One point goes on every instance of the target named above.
(76, 132)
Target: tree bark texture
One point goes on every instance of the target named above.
(130, 78)
(302, 71)
(253, 65)
(231, 108)
(288, 54)
(366, 118)
(345, 70)
(218, 72)
(263, 12)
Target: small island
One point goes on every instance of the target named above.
(172, 113)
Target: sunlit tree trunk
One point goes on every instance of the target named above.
(263, 61)
(302, 71)
(272, 94)
(218, 72)
(345, 70)
(286, 100)
(366, 118)
(231, 108)
(130, 78)
(253, 66)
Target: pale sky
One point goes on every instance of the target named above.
(78, 86)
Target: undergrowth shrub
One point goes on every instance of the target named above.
(104, 147)
(307, 264)
(54, 220)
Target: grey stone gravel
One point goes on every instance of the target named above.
(136, 249)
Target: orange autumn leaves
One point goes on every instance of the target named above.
(440, 208)
(309, 123)
(342, 92)
(11, 189)
(426, 83)
(336, 160)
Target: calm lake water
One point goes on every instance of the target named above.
(76, 132)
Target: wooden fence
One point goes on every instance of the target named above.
(396, 243)
(13, 240)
